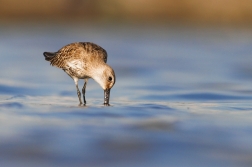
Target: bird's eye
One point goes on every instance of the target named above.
(110, 78)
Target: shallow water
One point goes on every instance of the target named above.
(182, 98)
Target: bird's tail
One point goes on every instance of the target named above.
(49, 55)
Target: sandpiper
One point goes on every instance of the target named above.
(84, 60)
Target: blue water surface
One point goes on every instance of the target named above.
(183, 97)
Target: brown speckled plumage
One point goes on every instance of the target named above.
(83, 60)
(74, 50)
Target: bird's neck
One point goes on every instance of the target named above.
(98, 74)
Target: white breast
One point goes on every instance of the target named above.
(77, 68)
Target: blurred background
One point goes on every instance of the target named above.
(232, 12)
(183, 92)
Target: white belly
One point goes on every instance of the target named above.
(76, 69)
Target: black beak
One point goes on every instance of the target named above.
(106, 97)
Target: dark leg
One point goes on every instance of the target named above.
(84, 91)
(79, 95)
(78, 91)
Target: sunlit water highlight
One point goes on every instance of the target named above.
(182, 98)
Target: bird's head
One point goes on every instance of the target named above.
(106, 80)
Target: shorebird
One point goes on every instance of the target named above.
(84, 60)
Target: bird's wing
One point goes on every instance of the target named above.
(94, 49)
(75, 51)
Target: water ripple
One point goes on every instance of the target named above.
(198, 97)
(12, 105)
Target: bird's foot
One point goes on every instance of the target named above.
(106, 104)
